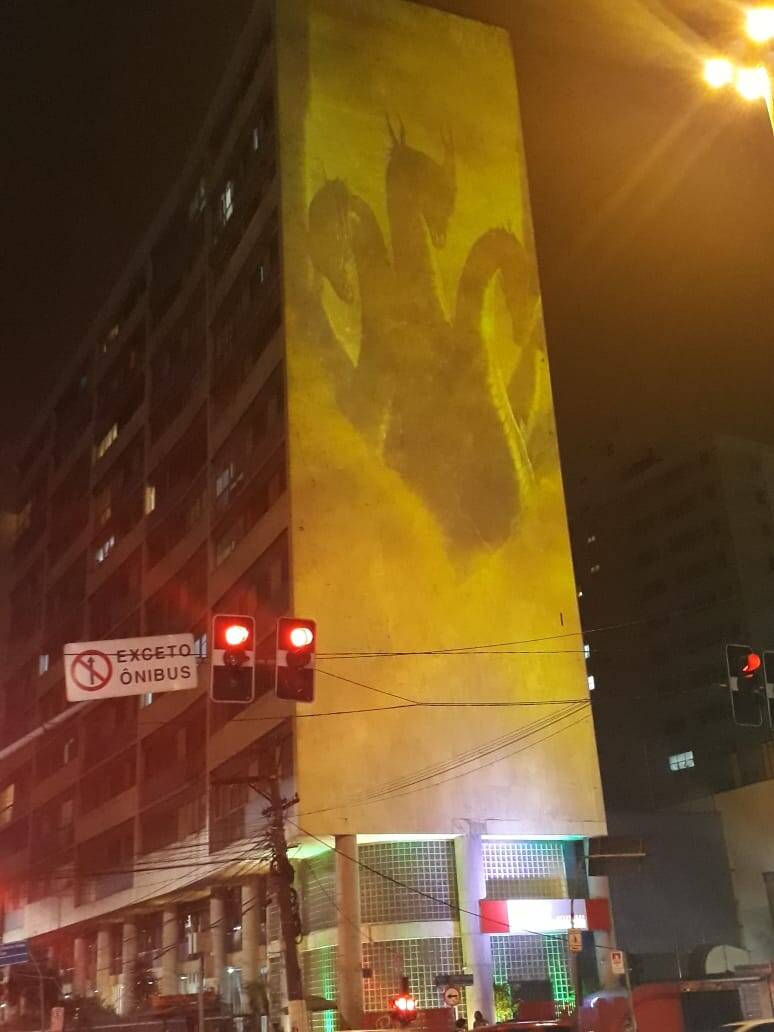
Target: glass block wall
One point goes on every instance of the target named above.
(424, 866)
(319, 974)
(534, 958)
(317, 883)
(525, 870)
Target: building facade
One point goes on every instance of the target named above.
(674, 553)
(320, 387)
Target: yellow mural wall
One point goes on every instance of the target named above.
(427, 513)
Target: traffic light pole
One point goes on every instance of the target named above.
(284, 874)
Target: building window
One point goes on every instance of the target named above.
(70, 750)
(106, 441)
(146, 700)
(43, 663)
(102, 505)
(591, 539)
(227, 202)
(105, 549)
(591, 682)
(595, 568)
(150, 498)
(586, 650)
(255, 138)
(200, 646)
(198, 201)
(6, 803)
(681, 761)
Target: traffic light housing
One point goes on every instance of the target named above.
(295, 659)
(403, 1008)
(747, 685)
(233, 659)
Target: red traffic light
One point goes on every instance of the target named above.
(296, 636)
(404, 1008)
(752, 665)
(233, 632)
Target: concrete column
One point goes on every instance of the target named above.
(599, 888)
(128, 966)
(476, 950)
(168, 984)
(80, 964)
(349, 952)
(218, 942)
(253, 898)
(103, 963)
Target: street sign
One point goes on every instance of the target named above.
(575, 940)
(13, 953)
(460, 978)
(617, 962)
(451, 996)
(129, 666)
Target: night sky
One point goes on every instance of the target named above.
(653, 200)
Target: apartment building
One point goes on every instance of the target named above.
(319, 387)
(674, 551)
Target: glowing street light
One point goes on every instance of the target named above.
(753, 83)
(759, 24)
(718, 72)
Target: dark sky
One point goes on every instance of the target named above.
(653, 200)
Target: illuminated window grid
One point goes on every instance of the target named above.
(524, 870)
(419, 959)
(533, 958)
(318, 879)
(424, 866)
(319, 972)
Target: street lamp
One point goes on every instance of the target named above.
(759, 24)
(752, 81)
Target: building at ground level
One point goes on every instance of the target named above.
(674, 553)
(746, 815)
(321, 386)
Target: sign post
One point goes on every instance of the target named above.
(129, 666)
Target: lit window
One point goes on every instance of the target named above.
(681, 761)
(580, 594)
(6, 804)
(255, 138)
(223, 479)
(224, 548)
(110, 336)
(105, 549)
(595, 568)
(227, 202)
(586, 650)
(150, 498)
(146, 699)
(590, 682)
(106, 441)
(198, 201)
(200, 646)
(591, 539)
(43, 663)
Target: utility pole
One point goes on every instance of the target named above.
(284, 874)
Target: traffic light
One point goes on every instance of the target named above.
(296, 647)
(403, 1008)
(747, 685)
(233, 659)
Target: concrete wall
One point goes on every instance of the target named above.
(747, 823)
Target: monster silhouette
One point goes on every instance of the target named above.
(427, 388)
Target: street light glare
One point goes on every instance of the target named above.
(753, 83)
(718, 72)
(760, 24)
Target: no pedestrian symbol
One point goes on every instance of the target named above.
(91, 670)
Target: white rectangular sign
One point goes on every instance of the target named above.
(617, 962)
(129, 666)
